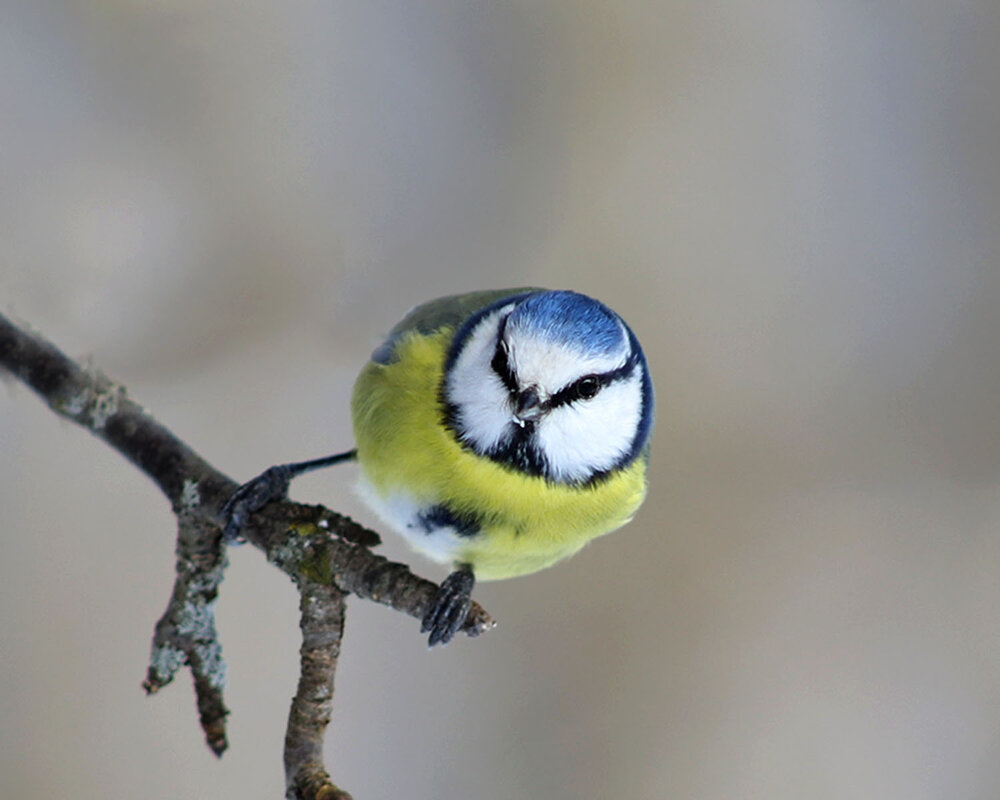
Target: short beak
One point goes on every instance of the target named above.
(527, 406)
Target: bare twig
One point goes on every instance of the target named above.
(326, 554)
(186, 633)
(322, 626)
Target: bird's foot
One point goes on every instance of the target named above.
(450, 607)
(268, 487)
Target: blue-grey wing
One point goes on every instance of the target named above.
(444, 312)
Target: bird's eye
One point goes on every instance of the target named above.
(587, 387)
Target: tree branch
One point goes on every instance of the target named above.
(322, 626)
(325, 553)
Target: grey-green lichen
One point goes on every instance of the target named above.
(92, 408)
(165, 660)
(74, 405)
(212, 667)
(195, 619)
(290, 551)
(194, 623)
(105, 405)
(302, 554)
(190, 496)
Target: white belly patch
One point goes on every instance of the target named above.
(407, 516)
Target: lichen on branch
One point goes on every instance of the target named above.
(327, 554)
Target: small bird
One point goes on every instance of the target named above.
(497, 431)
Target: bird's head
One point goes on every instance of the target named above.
(550, 383)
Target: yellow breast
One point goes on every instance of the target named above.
(528, 522)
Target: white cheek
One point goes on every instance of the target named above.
(592, 435)
(484, 413)
(476, 390)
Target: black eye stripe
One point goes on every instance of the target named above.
(500, 362)
(581, 389)
(572, 393)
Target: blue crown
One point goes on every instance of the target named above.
(570, 319)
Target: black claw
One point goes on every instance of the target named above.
(268, 487)
(450, 608)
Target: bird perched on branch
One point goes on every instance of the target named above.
(497, 431)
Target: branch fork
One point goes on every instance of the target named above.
(326, 554)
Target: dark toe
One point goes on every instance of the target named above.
(269, 486)
(450, 607)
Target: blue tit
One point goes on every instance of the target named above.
(499, 432)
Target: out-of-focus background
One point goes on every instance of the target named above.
(795, 205)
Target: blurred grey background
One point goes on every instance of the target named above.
(796, 207)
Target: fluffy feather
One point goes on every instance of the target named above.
(410, 461)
